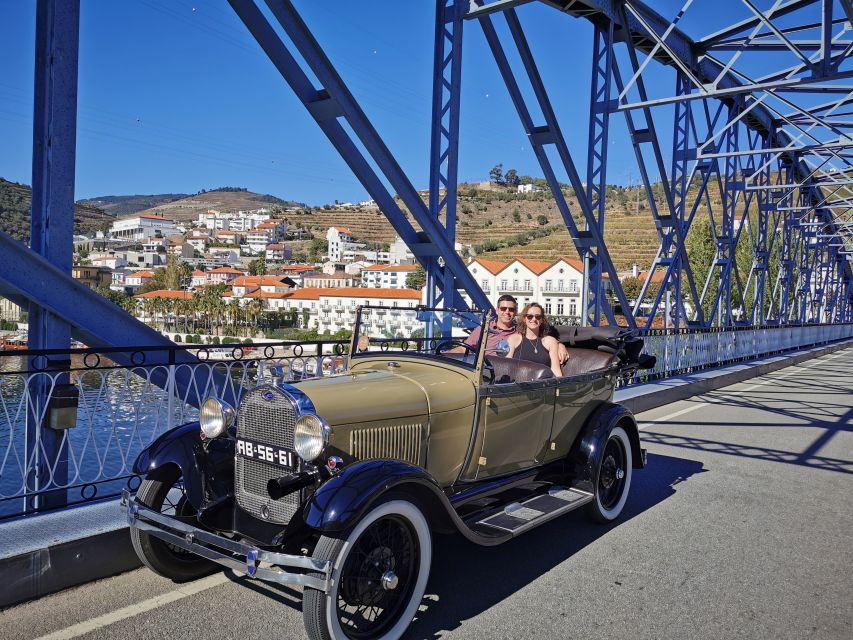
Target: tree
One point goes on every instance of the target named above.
(542, 219)
(258, 267)
(416, 279)
(511, 178)
(496, 174)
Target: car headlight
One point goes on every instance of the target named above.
(310, 437)
(215, 417)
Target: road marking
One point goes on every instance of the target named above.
(184, 591)
(642, 424)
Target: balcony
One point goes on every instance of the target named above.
(515, 289)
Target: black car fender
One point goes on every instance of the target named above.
(182, 447)
(585, 455)
(339, 503)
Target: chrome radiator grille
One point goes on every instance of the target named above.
(266, 415)
(400, 442)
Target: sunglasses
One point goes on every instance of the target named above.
(506, 309)
(533, 316)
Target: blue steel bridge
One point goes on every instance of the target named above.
(757, 113)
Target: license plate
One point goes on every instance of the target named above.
(266, 453)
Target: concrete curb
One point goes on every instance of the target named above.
(49, 567)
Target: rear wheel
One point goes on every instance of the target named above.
(613, 479)
(166, 494)
(379, 575)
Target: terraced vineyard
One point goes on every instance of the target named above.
(488, 219)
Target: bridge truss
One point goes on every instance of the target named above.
(778, 162)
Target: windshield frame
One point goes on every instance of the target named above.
(409, 346)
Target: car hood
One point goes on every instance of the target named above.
(371, 395)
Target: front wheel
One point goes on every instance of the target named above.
(613, 479)
(379, 575)
(165, 494)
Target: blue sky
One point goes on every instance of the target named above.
(176, 96)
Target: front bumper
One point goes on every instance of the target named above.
(235, 555)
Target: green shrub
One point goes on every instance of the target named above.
(248, 341)
(178, 337)
(215, 340)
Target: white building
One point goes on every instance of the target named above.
(334, 309)
(338, 239)
(398, 252)
(109, 262)
(557, 285)
(277, 252)
(133, 281)
(386, 276)
(140, 228)
(236, 221)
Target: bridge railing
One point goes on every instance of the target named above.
(120, 410)
(681, 351)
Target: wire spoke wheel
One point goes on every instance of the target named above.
(166, 493)
(613, 480)
(379, 576)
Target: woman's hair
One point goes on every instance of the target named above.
(544, 329)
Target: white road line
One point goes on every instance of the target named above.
(642, 424)
(185, 591)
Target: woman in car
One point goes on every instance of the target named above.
(532, 342)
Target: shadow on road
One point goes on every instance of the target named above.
(488, 575)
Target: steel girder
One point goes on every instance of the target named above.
(330, 103)
(737, 154)
(444, 143)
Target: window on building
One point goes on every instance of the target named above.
(548, 307)
(573, 308)
(573, 286)
(548, 285)
(560, 308)
(485, 285)
(527, 286)
(503, 285)
(515, 285)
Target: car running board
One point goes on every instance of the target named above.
(518, 517)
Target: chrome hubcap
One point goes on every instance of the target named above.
(389, 580)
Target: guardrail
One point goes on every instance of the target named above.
(120, 410)
(681, 351)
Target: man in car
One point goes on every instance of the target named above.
(501, 328)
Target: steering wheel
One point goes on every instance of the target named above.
(444, 345)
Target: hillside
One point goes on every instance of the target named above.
(499, 223)
(187, 209)
(119, 206)
(15, 204)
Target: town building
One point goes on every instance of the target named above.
(223, 275)
(136, 280)
(387, 276)
(277, 252)
(335, 309)
(556, 285)
(139, 228)
(93, 277)
(330, 280)
(339, 239)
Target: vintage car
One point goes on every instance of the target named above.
(338, 483)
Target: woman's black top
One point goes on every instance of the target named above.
(533, 350)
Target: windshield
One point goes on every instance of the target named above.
(440, 332)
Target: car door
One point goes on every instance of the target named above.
(514, 425)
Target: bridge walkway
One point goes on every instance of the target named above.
(740, 527)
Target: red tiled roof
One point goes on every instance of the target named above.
(166, 293)
(536, 266)
(256, 281)
(492, 266)
(344, 230)
(575, 263)
(141, 274)
(226, 270)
